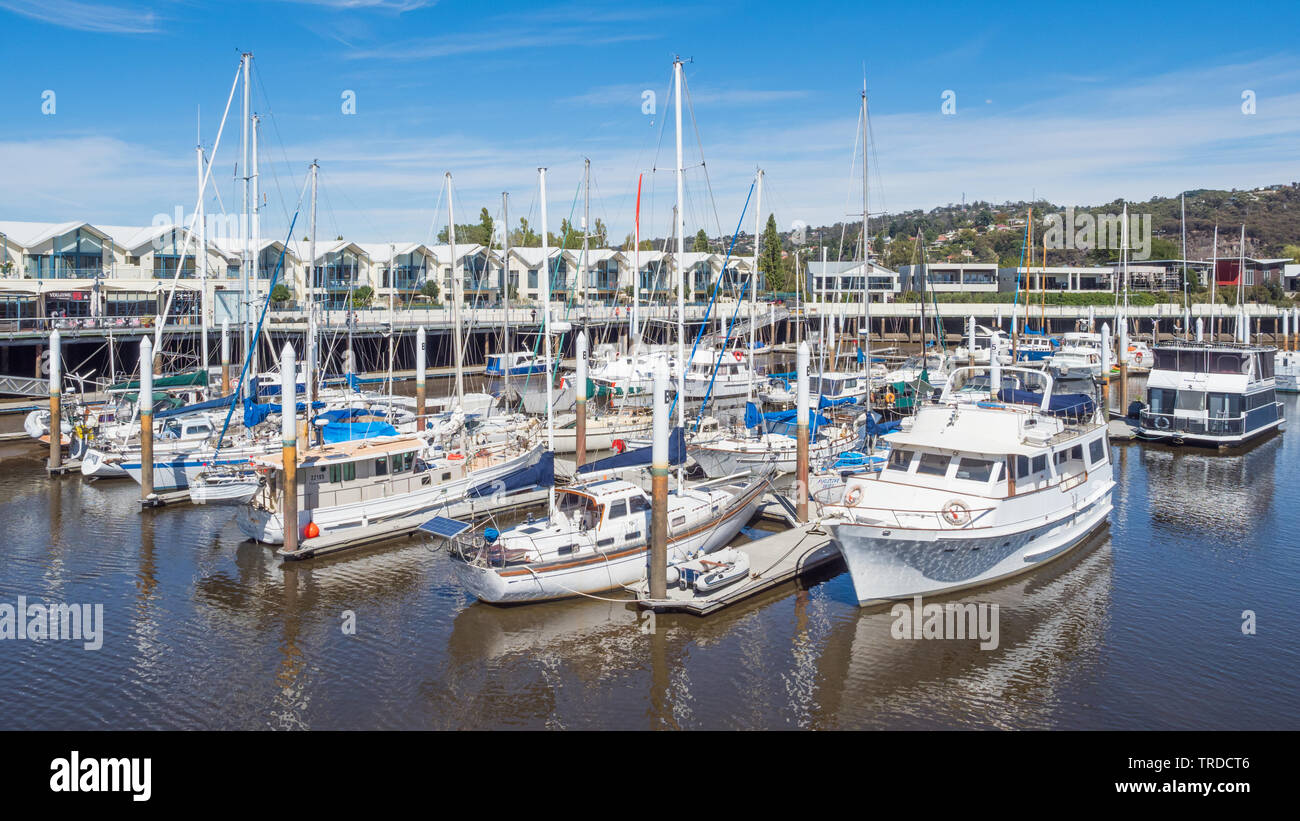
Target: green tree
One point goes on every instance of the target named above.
(771, 263)
(430, 289)
(363, 296)
(701, 244)
(280, 294)
(525, 236)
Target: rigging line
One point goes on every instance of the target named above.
(848, 194)
(708, 184)
(243, 372)
(275, 124)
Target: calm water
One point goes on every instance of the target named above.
(1140, 628)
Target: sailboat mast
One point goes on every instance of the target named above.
(203, 269)
(244, 261)
(457, 286)
(311, 303)
(753, 287)
(586, 223)
(682, 364)
(255, 250)
(636, 272)
(546, 328)
(866, 256)
(505, 284)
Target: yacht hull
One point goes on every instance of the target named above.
(887, 562)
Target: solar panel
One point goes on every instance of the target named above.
(444, 527)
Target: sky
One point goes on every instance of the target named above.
(104, 104)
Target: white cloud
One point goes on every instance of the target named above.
(94, 17)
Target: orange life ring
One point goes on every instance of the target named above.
(738, 355)
(890, 398)
(853, 496)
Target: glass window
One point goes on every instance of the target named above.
(639, 504)
(1096, 451)
(1040, 463)
(381, 466)
(933, 464)
(1162, 400)
(1022, 467)
(617, 509)
(900, 459)
(975, 470)
(1190, 401)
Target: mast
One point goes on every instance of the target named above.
(680, 220)
(546, 328)
(586, 222)
(1214, 280)
(753, 289)
(256, 251)
(244, 262)
(505, 284)
(636, 272)
(457, 286)
(1183, 224)
(866, 264)
(311, 305)
(203, 269)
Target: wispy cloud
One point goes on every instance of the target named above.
(626, 93)
(85, 16)
(463, 43)
(398, 6)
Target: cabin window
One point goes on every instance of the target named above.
(618, 509)
(381, 466)
(336, 475)
(1022, 467)
(1190, 401)
(1265, 366)
(975, 470)
(678, 521)
(933, 464)
(633, 536)
(349, 471)
(1161, 400)
(1227, 363)
(605, 542)
(1096, 451)
(900, 459)
(639, 504)
(1040, 463)
(446, 476)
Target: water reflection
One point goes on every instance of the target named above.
(1224, 494)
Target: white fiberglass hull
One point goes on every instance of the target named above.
(599, 573)
(887, 562)
(98, 464)
(182, 467)
(730, 456)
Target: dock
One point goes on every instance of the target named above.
(773, 561)
(165, 498)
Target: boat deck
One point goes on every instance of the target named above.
(773, 560)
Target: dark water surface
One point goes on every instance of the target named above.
(1140, 628)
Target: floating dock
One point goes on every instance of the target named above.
(773, 560)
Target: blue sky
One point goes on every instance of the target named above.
(1074, 103)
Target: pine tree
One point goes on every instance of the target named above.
(770, 261)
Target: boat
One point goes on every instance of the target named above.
(709, 572)
(773, 445)
(1079, 351)
(977, 489)
(225, 486)
(1286, 371)
(518, 363)
(1215, 394)
(1035, 346)
(346, 487)
(598, 539)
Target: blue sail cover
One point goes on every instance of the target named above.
(824, 402)
(539, 474)
(638, 457)
(875, 428)
(355, 383)
(350, 431)
(211, 404)
(1071, 405)
(783, 422)
(255, 414)
(347, 414)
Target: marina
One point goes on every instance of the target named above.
(581, 426)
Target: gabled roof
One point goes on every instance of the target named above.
(29, 234)
(380, 252)
(532, 256)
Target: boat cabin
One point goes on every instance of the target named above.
(1211, 393)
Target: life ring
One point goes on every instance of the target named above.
(853, 496)
(956, 513)
(1162, 422)
(738, 355)
(455, 456)
(890, 398)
